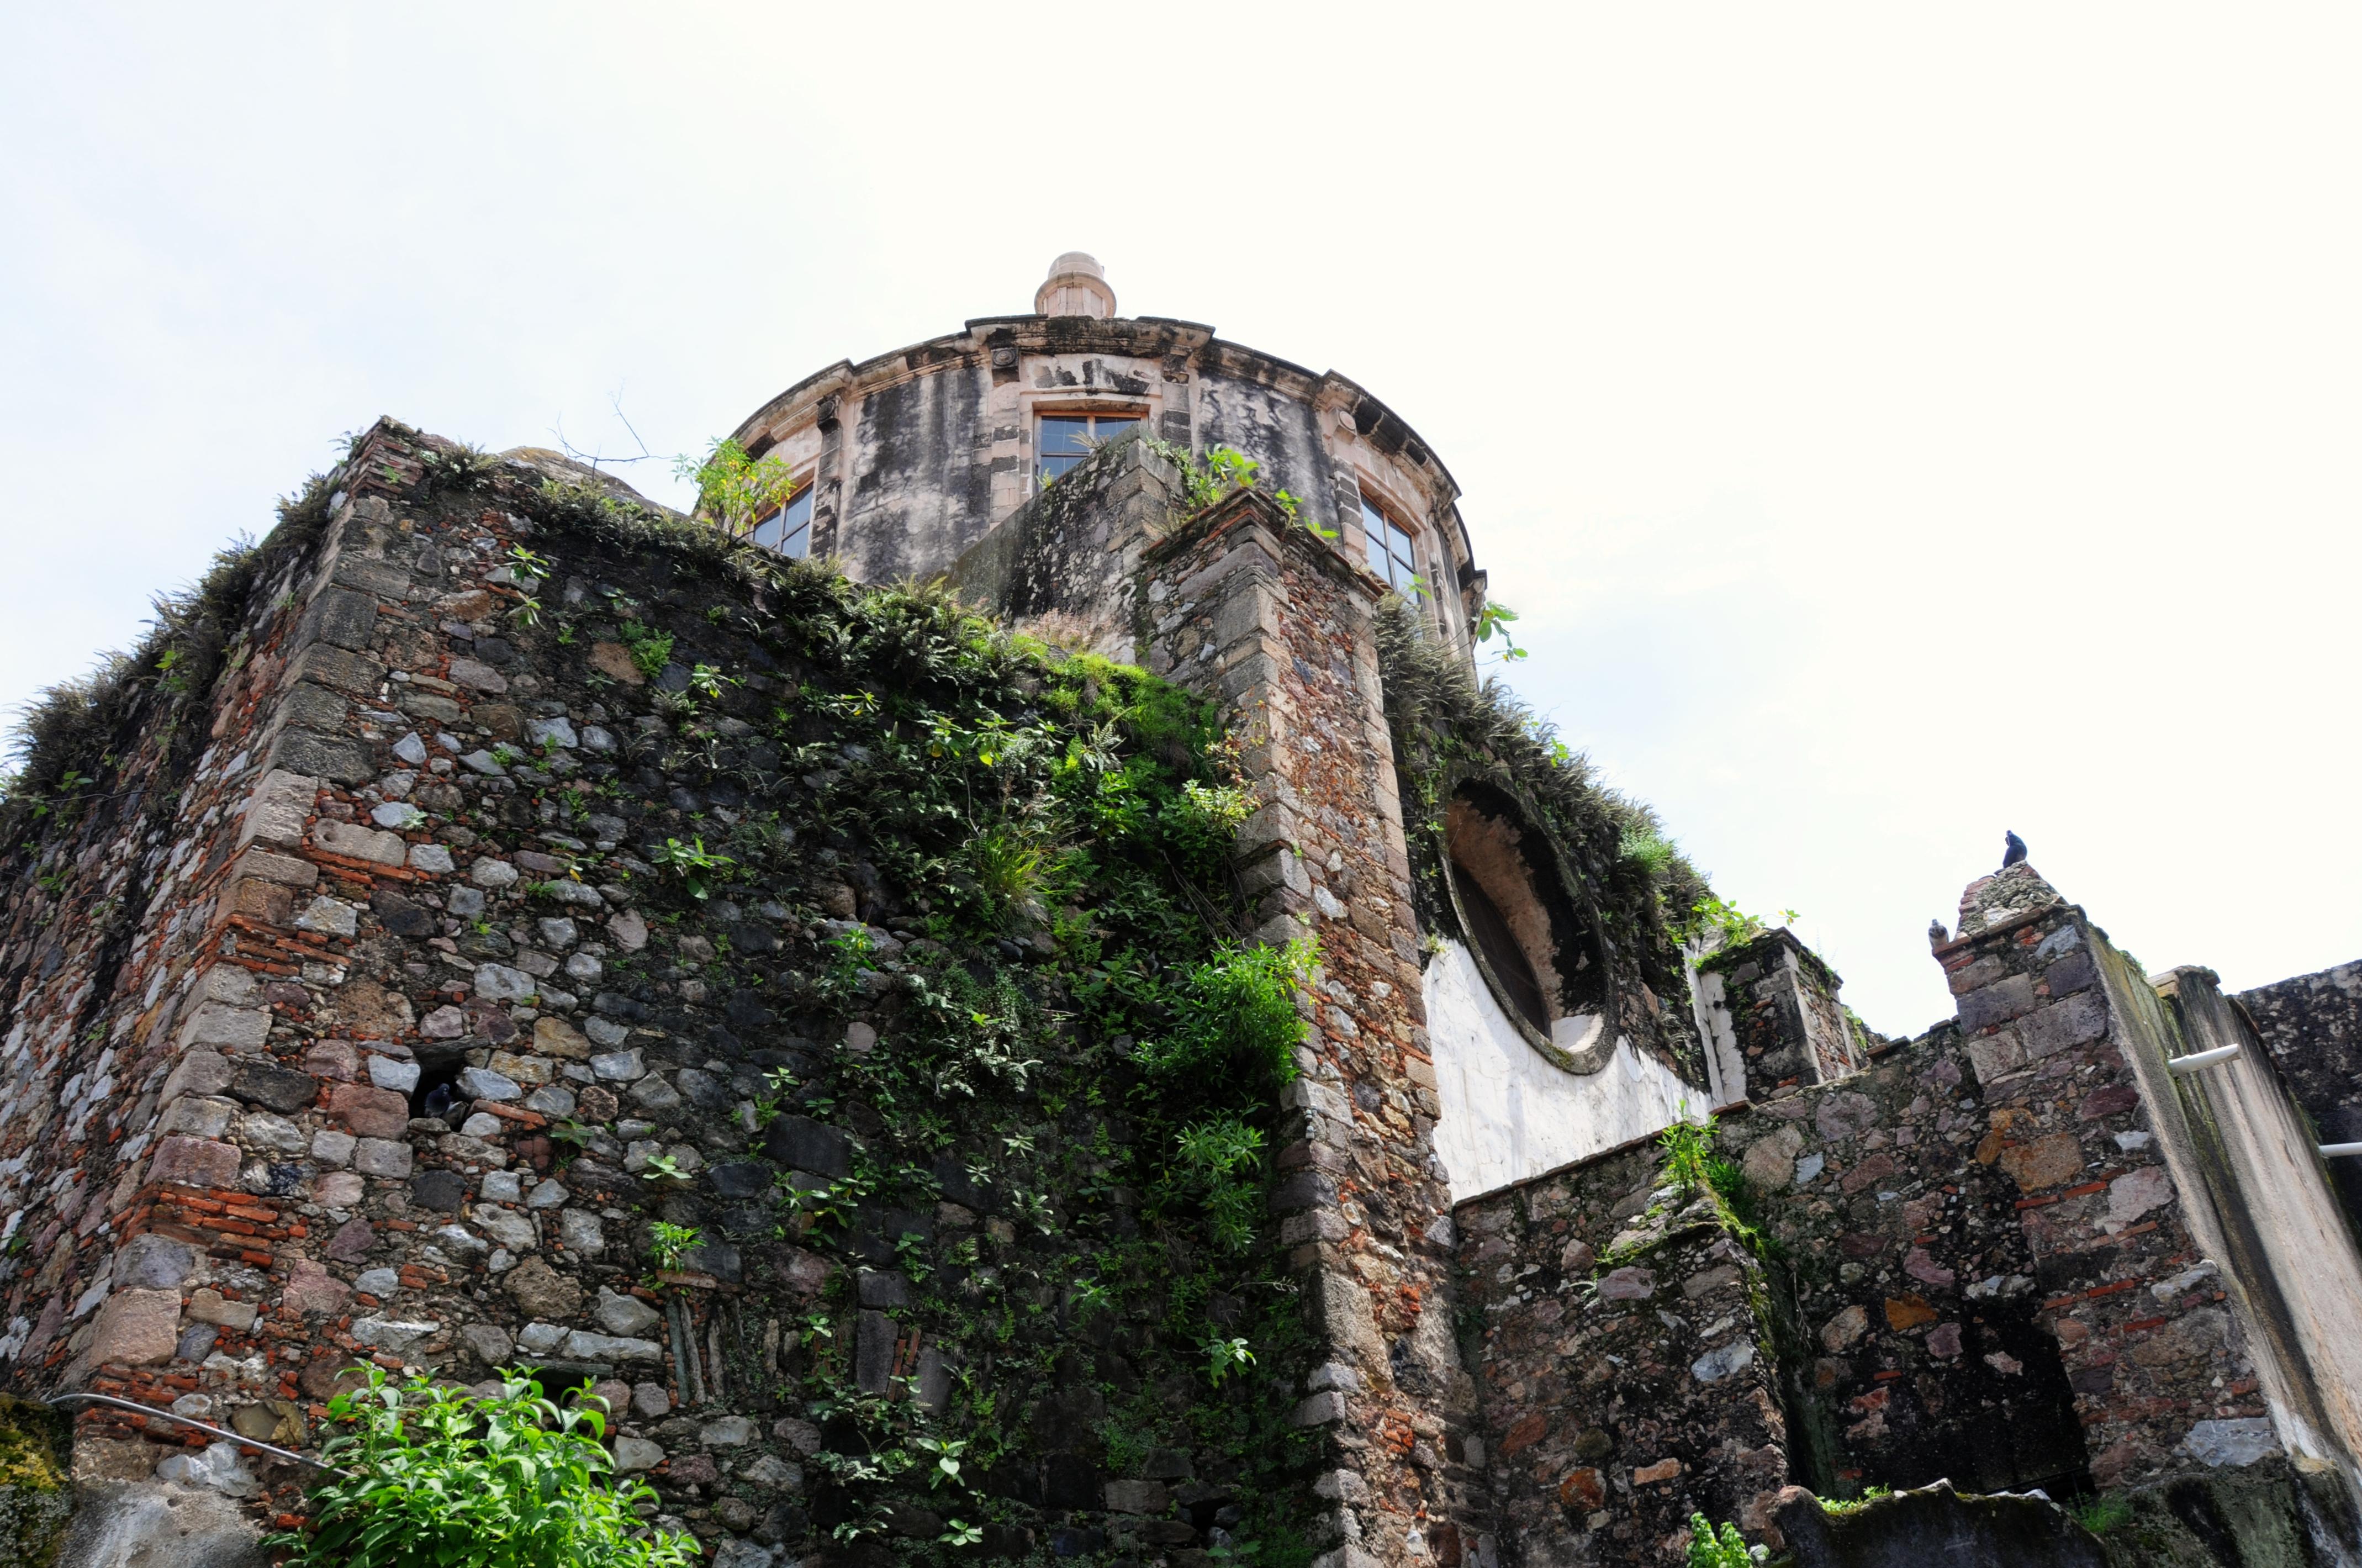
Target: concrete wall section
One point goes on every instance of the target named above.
(2313, 1026)
(1510, 1114)
(2276, 1221)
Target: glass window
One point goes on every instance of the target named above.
(1063, 440)
(787, 530)
(1391, 556)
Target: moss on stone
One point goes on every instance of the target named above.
(36, 1492)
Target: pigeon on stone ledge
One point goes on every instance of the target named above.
(2014, 852)
(1936, 935)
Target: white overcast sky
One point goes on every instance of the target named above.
(1892, 426)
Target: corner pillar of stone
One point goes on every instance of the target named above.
(252, 903)
(2064, 1033)
(1770, 1013)
(1242, 604)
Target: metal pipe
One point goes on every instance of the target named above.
(2182, 1066)
(2337, 1151)
(242, 1440)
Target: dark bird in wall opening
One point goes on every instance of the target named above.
(439, 1101)
(2014, 852)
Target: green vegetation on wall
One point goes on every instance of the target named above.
(1011, 866)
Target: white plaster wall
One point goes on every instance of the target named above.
(1509, 1113)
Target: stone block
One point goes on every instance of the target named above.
(801, 1144)
(1629, 1284)
(499, 983)
(370, 1111)
(312, 1289)
(227, 1028)
(267, 866)
(383, 1157)
(336, 757)
(279, 808)
(483, 1083)
(354, 841)
(2045, 1162)
(199, 1116)
(1144, 1497)
(556, 1037)
(154, 1262)
(873, 1353)
(1997, 1003)
(342, 617)
(273, 1087)
(199, 1073)
(339, 667)
(209, 1306)
(2063, 1024)
(626, 1315)
(1318, 1410)
(193, 1162)
(137, 1328)
(1996, 1055)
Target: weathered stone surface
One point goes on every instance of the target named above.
(137, 1328)
(543, 1291)
(193, 1162)
(370, 1111)
(277, 1087)
(801, 1144)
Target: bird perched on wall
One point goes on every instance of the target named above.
(2014, 849)
(1936, 935)
(439, 1101)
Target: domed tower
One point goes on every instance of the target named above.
(906, 461)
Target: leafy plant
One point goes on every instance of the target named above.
(431, 1477)
(671, 1243)
(1240, 1019)
(734, 489)
(1225, 1357)
(1722, 1549)
(1493, 621)
(2100, 1514)
(1216, 1159)
(692, 863)
(651, 649)
(458, 471)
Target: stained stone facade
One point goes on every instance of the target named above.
(301, 1007)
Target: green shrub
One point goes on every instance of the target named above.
(1238, 1019)
(1710, 1548)
(440, 1479)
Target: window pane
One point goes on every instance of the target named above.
(798, 545)
(1378, 562)
(1063, 437)
(766, 532)
(1401, 543)
(1111, 426)
(799, 512)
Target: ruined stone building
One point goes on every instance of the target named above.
(498, 922)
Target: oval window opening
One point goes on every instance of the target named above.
(1537, 950)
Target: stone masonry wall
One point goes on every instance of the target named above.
(427, 1046)
(1981, 1270)
(1629, 1375)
